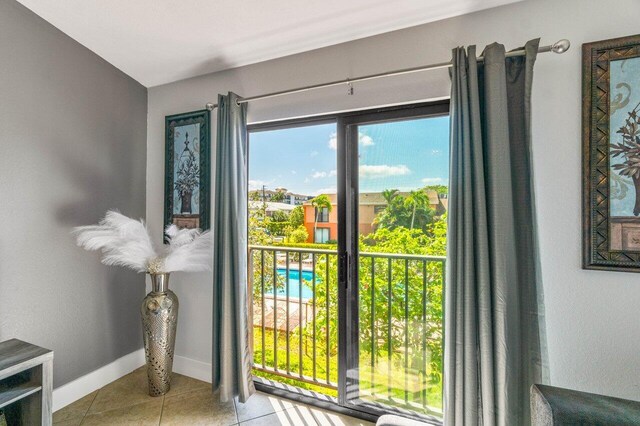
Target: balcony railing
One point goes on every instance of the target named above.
(295, 295)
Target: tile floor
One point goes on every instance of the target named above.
(190, 402)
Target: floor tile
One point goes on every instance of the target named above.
(74, 411)
(146, 413)
(70, 422)
(199, 407)
(189, 402)
(129, 390)
(289, 417)
(305, 415)
(260, 404)
(181, 384)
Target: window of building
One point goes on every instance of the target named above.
(322, 214)
(322, 235)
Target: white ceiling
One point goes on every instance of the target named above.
(160, 41)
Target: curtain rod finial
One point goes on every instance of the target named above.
(561, 46)
(210, 106)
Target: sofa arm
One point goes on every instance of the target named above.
(557, 406)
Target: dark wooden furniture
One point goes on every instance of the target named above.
(26, 382)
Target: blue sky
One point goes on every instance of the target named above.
(403, 155)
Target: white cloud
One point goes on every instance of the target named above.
(257, 184)
(383, 170)
(333, 141)
(364, 140)
(432, 181)
(318, 175)
(328, 190)
(293, 172)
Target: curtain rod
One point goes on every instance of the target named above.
(559, 47)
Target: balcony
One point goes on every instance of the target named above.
(295, 324)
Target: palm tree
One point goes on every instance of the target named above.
(278, 197)
(416, 200)
(320, 202)
(388, 215)
(389, 195)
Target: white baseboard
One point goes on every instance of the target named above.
(82, 386)
(192, 368)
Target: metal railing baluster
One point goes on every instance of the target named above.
(300, 312)
(327, 352)
(313, 295)
(286, 290)
(262, 303)
(373, 323)
(424, 333)
(389, 331)
(275, 310)
(406, 330)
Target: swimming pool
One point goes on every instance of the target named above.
(294, 283)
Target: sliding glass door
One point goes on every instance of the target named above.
(293, 257)
(395, 204)
(347, 243)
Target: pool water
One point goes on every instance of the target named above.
(294, 283)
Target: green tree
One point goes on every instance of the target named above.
(298, 235)
(440, 189)
(421, 211)
(320, 202)
(412, 211)
(400, 300)
(258, 233)
(400, 304)
(389, 195)
(278, 197)
(279, 216)
(296, 217)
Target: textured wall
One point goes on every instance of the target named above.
(72, 145)
(593, 323)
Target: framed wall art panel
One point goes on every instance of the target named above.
(611, 154)
(187, 170)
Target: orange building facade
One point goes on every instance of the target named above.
(371, 204)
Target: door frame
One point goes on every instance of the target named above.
(348, 237)
(347, 209)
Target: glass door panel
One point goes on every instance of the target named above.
(400, 180)
(293, 258)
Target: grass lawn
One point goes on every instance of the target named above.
(387, 382)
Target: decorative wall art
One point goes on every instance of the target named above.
(611, 154)
(187, 170)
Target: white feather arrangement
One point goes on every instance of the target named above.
(189, 250)
(126, 242)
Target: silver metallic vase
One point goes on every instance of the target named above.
(159, 321)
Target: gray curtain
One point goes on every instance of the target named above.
(494, 328)
(232, 356)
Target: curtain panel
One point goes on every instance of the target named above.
(494, 340)
(232, 358)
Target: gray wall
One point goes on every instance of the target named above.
(72, 145)
(592, 317)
